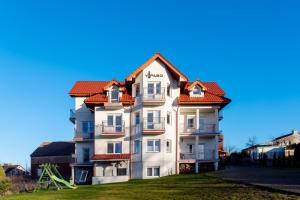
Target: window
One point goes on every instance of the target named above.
(153, 146)
(190, 121)
(201, 124)
(86, 154)
(153, 119)
(158, 88)
(150, 88)
(39, 172)
(154, 88)
(110, 120)
(114, 123)
(137, 90)
(114, 147)
(197, 90)
(121, 171)
(137, 146)
(87, 128)
(168, 117)
(169, 90)
(137, 118)
(168, 146)
(190, 148)
(153, 171)
(114, 97)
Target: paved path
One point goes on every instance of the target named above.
(281, 179)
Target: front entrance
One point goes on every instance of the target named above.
(83, 175)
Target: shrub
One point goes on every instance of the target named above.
(2, 172)
(5, 185)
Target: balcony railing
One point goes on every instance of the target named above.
(108, 128)
(206, 155)
(206, 128)
(153, 95)
(155, 123)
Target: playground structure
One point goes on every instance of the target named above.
(51, 179)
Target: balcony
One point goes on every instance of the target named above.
(151, 97)
(204, 129)
(83, 137)
(110, 131)
(72, 117)
(154, 125)
(208, 155)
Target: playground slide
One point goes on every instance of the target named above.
(66, 183)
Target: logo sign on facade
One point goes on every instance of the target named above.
(149, 75)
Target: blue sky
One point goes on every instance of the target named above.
(251, 48)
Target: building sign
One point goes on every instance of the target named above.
(149, 75)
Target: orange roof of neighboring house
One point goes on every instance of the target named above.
(124, 156)
(197, 82)
(87, 88)
(152, 59)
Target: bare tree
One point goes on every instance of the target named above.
(251, 141)
(230, 149)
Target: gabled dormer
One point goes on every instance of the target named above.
(114, 91)
(196, 89)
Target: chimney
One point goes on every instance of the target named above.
(294, 132)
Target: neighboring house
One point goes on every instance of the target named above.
(14, 170)
(58, 153)
(155, 123)
(277, 146)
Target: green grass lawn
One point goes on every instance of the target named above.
(197, 186)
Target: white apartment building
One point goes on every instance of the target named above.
(155, 123)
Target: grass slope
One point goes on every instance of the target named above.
(198, 186)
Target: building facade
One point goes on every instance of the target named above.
(155, 123)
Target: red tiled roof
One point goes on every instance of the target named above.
(197, 82)
(162, 59)
(123, 156)
(101, 98)
(97, 98)
(211, 87)
(87, 88)
(208, 98)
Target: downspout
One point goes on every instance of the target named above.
(176, 166)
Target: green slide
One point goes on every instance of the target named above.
(66, 183)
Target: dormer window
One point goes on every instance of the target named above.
(114, 95)
(197, 90)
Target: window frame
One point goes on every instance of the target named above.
(114, 90)
(187, 121)
(169, 118)
(197, 89)
(114, 147)
(169, 148)
(169, 90)
(154, 145)
(153, 171)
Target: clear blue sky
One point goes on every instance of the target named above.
(251, 48)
